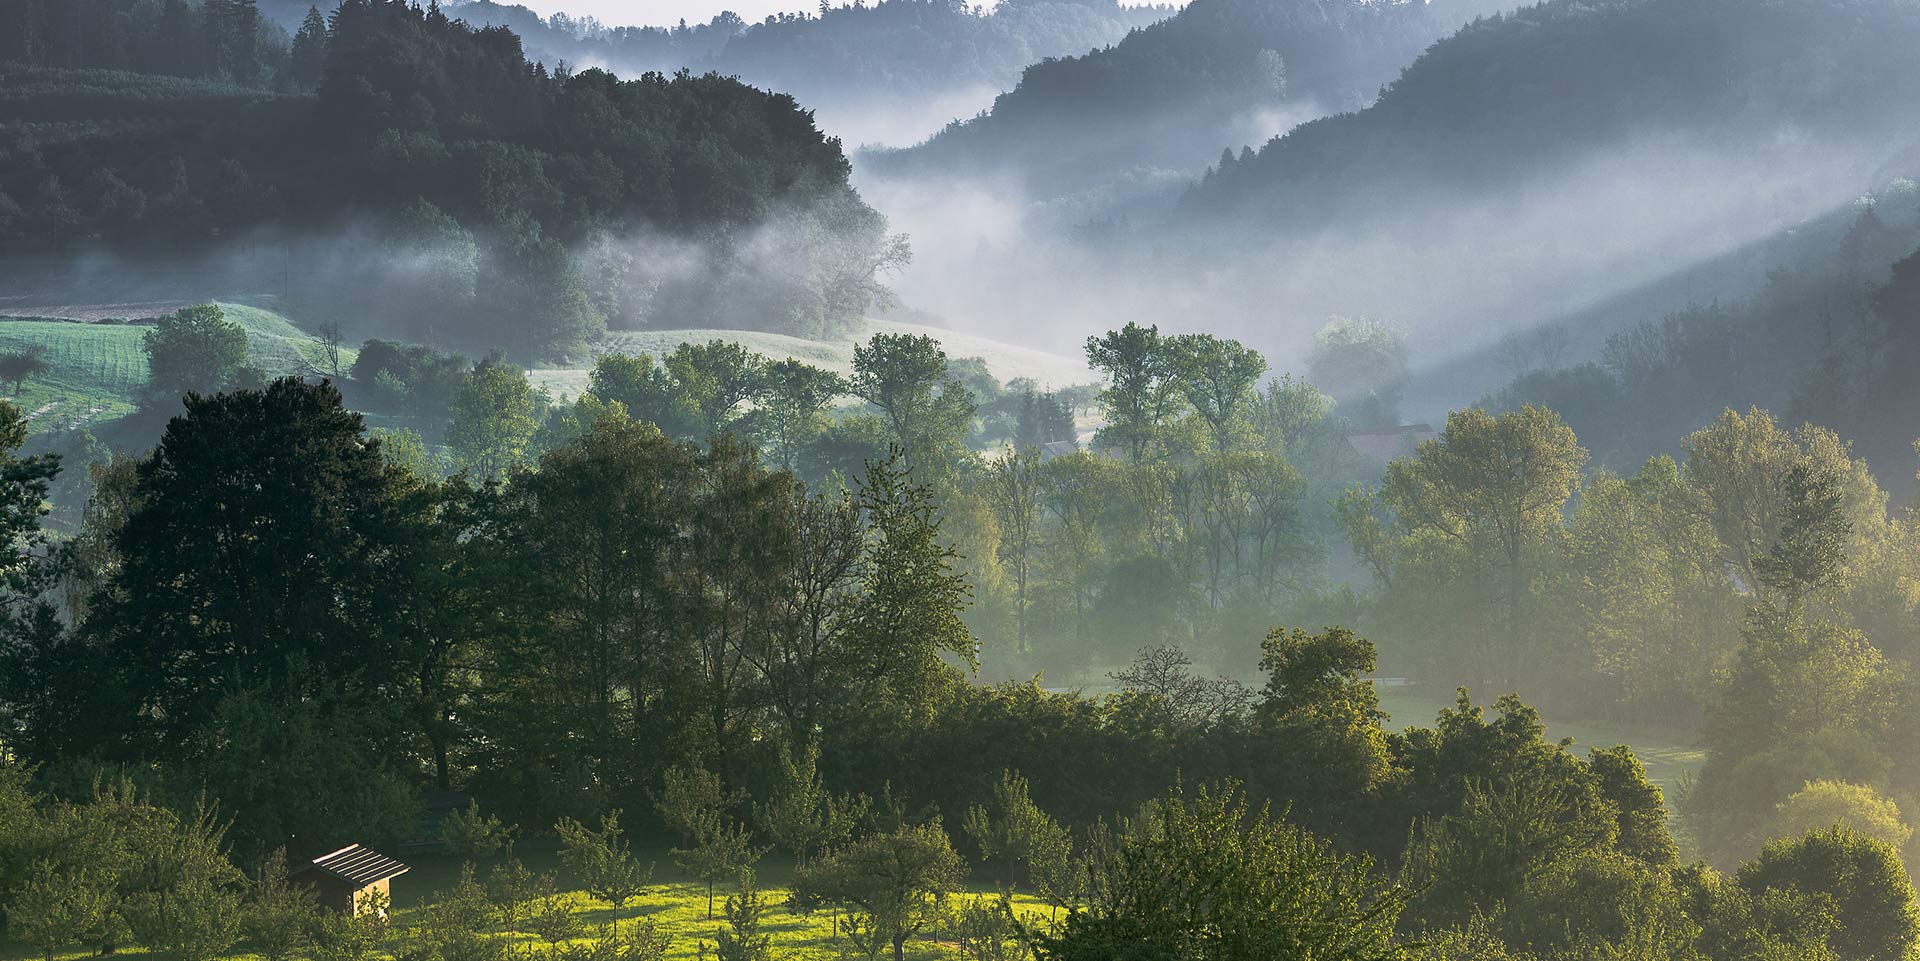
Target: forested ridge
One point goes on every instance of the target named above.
(518, 186)
(840, 54)
(1144, 100)
(1511, 95)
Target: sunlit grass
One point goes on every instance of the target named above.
(674, 902)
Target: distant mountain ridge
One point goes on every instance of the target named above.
(1167, 94)
(854, 63)
(1543, 85)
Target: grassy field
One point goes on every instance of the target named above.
(674, 902)
(1006, 361)
(98, 370)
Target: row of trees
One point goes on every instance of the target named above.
(1196, 518)
(1754, 586)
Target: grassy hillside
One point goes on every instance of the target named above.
(98, 370)
(1006, 361)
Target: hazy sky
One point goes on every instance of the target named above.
(619, 13)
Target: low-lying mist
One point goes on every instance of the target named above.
(1457, 268)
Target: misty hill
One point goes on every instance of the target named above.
(1547, 85)
(1815, 323)
(432, 181)
(1536, 164)
(891, 71)
(1219, 73)
(97, 367)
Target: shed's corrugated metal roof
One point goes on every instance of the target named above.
(357, 865)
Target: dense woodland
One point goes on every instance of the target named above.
(537, 208)
(576, 608)
(1512, 94)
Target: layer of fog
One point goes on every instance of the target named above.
(1459, 271)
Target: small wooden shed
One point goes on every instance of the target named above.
(343, 879)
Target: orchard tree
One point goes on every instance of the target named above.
(898, 882)
(195, 349)
(715, 845)
(1015, 832)
(802, 816)
(602, 860)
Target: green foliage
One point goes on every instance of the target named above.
(511, 887)
(1484, 501)
(741, 939)
(1826, 804)
(493, 419)
(1207, 875)
(1217, 379)
(715, 379)
(195, 349)
(602, 860)
(986, 930)
(1017, 834)
(897, 882)
(1873, 899)
(1141, 393)
(694, 803)
(905, 378)
(452, 926)
(802, 816)
(910, 612)
(281, 915)
(475, 836)
(1639, 805)
(355, 935)
(55, 909)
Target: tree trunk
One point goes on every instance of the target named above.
(899, 947)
